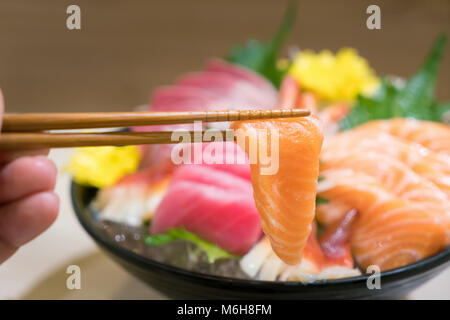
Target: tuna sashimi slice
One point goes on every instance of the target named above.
(213, 201)
(181, 98)
(224, 156)
(267, 89)
(223, 86)
(237, 91)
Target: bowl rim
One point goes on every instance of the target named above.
(440, 258)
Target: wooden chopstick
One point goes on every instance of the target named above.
(56, 121)
(38, 140)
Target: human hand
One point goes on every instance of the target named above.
(28, 206)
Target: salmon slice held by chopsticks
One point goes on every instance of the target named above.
(285, 199)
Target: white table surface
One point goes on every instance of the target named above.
(38, 270)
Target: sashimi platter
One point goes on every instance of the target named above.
(361, 184)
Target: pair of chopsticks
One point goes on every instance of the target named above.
(28, 131)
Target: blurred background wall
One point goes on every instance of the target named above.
(126, 48)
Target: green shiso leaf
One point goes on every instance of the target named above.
(262, 57)
(320, 200)
(158, 239)
(414, 100)
(376, 107)
(441, 111)
(212, 251)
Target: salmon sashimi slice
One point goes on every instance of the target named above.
(332, 115)
(426, 163)
(389, 231)
(432, 135)
(331, 212)
(398, 179)
(289, 92)
(286, 200)
(392, 174)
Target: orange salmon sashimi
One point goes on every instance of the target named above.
(392, 174)
(286, 199)
(331, 212)
(432, 135)
(332, 115)
(398, 179)
(389, 231)
(428, 164)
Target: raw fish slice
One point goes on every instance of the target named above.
(432, 135)
(210, 176)
(263, 264)
(224, 156)
(331, 212)
(234, 159)
(395, 176)
(331, 116)
(426, 163)
(397, 179)
(268, 92)
(253, 261)
(226, 218)
(389, 231)
(337, 272)
(335, 242)
(308, 101)
(135, 197)
(286, 199)
(289, 93)
(213, 201)
(199, 95)
(181, 98)
(225, 85)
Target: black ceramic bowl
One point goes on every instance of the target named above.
(182, 284)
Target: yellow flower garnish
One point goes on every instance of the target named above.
(103, 166)
(334, 77)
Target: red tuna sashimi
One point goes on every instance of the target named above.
(267, 89)
(230, 157)
(181, 98)
(213, 199)
(196, 94)
(236, 91)
(222, 86)
(216, 205)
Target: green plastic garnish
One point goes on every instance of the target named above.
(262, 57)
(414, 100)
(212, 251)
